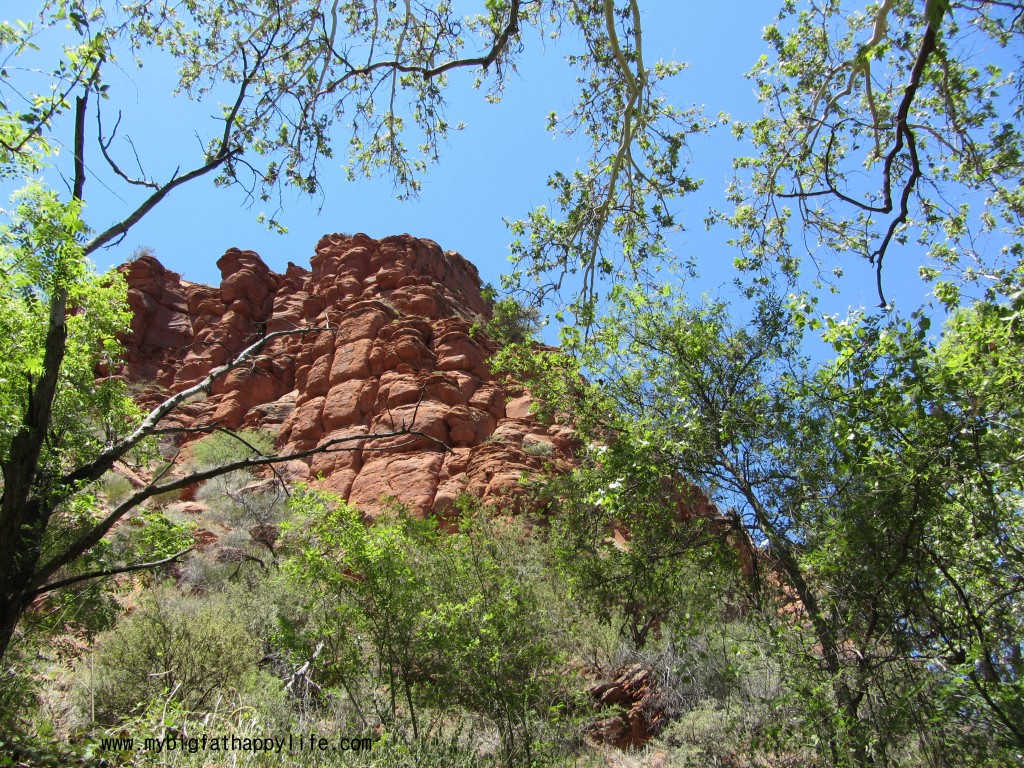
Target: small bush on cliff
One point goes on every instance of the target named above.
(513, 322)
(116, 488)
(226, 447)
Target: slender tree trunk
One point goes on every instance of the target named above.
(24, 516)
(847, 701)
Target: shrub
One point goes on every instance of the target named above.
(18, 691)
(116, 488)
(448, 619)
(539, 448)
(226, 447)
(512, 322)
(174, 647)
(238, 498)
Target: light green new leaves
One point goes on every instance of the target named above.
(297, 75)
(610, 216)
(886, 125)
(40, 252)
(32, 98)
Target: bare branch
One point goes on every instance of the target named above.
(224, 153)
(105, 145)
(95, 468)
(335, 445)
(37, 591)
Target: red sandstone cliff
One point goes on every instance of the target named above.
(396, 350)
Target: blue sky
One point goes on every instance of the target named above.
(494, 169)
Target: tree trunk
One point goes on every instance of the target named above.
(23, 515)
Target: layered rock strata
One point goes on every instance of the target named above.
(383, 337)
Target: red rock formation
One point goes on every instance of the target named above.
(395, 348)
(641, 715)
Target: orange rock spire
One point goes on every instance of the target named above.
(395, 349)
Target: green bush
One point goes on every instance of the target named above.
(227, 447)
(512, 322)
(435, 620)
(174, 647)
(116, 488)
(539, 448)
(674, 572)
(18, 691)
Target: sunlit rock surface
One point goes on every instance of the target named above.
(393, 351)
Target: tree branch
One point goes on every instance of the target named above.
(95, 468)
(223, 154)
(904, 133)
(53, 585)
(105, 146)
(497, 48)
(93, 536)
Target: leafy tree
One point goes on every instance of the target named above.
(631, 547)
(894, 123)
(290, 77)
(883, 487)
(878, 483)
(434, 619)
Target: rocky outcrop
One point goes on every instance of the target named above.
(383, 337)
(640, 714)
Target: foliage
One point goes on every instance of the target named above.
(512, 322)
(152, 536)
(116, 487)
(439, 620)
(556, 381)
(859, 478)
(17, 693)
(609, 219)
(630, 547)
(40, 255)
(886, 126)
(171, 648)
(539, 448)
(941, 458)
(223, 447)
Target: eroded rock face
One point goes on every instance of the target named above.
(641, 716)
(379, 343)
